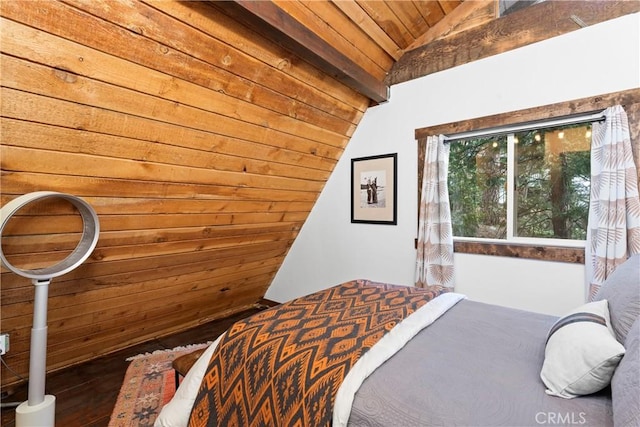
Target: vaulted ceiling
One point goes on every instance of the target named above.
(358, 41)
(369, 45)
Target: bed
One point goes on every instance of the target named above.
(459, 362)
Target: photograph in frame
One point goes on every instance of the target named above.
(373, 189)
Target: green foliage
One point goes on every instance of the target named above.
(477, 175)
(552, 184)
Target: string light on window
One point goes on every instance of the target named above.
(537, 137)
(587, 134)
(561, 134)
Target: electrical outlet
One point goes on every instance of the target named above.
(4, 344)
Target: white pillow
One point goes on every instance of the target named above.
(177, 411)
(581, 353)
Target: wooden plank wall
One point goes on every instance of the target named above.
(201, 146)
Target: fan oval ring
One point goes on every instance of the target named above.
(88, 241)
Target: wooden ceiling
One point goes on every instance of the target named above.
(358, 41)
(370, 45)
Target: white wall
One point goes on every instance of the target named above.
(330, 249)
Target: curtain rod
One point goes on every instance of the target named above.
(538, 124)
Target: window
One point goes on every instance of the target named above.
(542, 249)
(522, 186)
(506, 7)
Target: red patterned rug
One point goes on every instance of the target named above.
(148, 385)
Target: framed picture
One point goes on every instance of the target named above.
(373, 189)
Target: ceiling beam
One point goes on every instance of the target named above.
(468, 15)
(529, 25)
(268, 19)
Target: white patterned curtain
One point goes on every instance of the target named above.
(434, 263)
(613, 230)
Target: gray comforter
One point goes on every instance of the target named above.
(477, 365)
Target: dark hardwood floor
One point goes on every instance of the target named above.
(86, 394)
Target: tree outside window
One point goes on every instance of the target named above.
(547, 196)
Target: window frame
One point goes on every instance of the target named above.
(629, 99)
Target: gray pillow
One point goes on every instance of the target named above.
(622, 290)
(625, 384)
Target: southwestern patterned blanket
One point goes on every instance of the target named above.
(285, 365)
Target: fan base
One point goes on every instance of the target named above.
(41, 415)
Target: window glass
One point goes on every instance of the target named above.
(549, 195)
(506, 7)
(552, 182)
(477, 187)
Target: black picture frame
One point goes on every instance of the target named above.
(374, 193)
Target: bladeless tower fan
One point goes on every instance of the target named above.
(39, 409)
